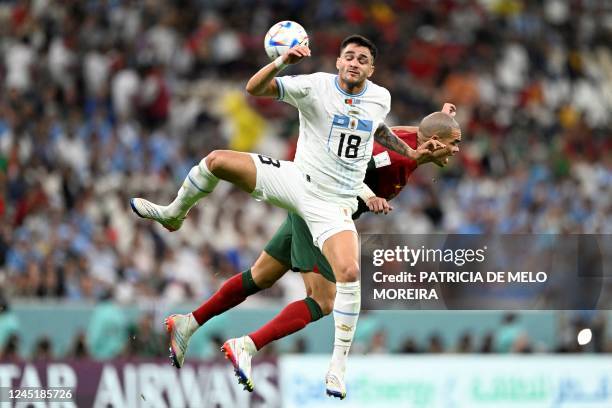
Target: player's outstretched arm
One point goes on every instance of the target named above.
(423, 154)
(263, 84)
(375, 204)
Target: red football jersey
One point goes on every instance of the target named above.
(390, 171)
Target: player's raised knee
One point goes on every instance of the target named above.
(215, 160)
(348, 273)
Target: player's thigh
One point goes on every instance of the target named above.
(267, 270)
(236, 167)
(321, 290)
(278, 182)
(326, 216)
(305, 256)
(342, 252)
(279, 246)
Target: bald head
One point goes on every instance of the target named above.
(438, 123)
(443, 127)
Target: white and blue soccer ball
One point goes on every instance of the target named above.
(282, 36)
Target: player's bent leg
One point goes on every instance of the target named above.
(236, 167)
(233, 292)
(198, 184)
(267, 270)
(322, 291)
(341, 250)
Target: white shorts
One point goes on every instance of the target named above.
(282, 184)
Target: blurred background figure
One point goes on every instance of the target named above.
(9, 329)
(102, 101)
(107, 332)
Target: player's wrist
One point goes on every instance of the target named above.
(279, 63)
(366, 194)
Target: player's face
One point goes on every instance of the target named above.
(355, 64)
(452, 147)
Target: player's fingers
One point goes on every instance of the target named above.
(449, 109)
(437, 144)
(302, 50)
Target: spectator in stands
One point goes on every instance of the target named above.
(145, 341)
(107, 333)
(510, 336)
(9, 323)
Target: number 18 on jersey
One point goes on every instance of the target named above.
(348, 137)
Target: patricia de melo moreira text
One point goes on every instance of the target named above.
(458, 256)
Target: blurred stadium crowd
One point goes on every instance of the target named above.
(101, 101)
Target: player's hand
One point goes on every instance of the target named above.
(379, 205)
(426, 151)
(449, 109)
(296, 54)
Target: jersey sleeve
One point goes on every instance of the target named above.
(386, 101)
(294, 89)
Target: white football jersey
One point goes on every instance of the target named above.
(336, 128)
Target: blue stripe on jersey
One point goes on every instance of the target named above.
(343, 121)
(281, 89)
(365, 88)
(365, 125)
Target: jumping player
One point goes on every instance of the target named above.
(292, 248)
(340, 117)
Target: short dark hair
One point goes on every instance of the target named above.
(359, 40)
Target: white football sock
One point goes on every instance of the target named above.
(198, 184)
(346, 312)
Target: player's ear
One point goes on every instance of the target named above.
(371, 71)
(338, 63)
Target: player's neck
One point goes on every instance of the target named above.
(352, 89)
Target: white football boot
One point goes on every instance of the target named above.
(181, 328)
(334, 383)
(146, 209)
(240, 351)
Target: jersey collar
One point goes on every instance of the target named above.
(365, 88)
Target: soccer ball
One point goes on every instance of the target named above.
(282, 36)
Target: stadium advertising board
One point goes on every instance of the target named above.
(139, 384)
(454, 381)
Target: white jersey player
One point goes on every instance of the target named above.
(340, 117)
(336, 128)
